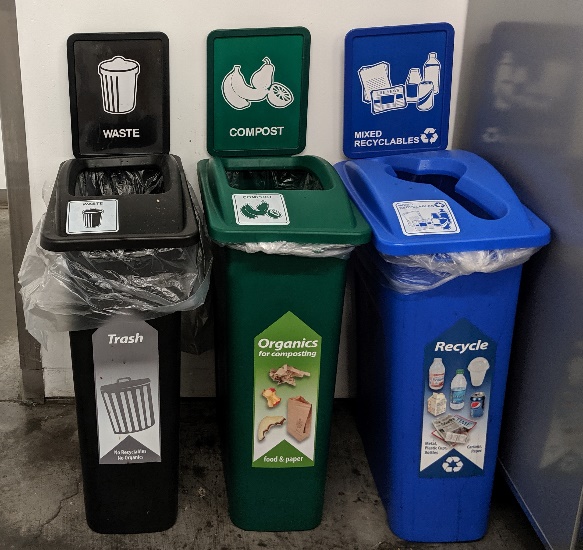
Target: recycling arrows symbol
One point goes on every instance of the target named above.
(429, 135)
(452, 464)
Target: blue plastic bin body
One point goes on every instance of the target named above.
(435, 490)
(390, 381)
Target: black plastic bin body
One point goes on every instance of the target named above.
(137, 491)
(133, 498)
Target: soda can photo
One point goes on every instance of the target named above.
(477, 404)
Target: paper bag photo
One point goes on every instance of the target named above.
(299, 416)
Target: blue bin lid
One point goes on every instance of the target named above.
(438, 202)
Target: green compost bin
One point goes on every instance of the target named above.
(283, 228)
(277, 328)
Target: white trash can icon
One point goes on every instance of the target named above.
(92, 217)
(119, 84)
(129, 405)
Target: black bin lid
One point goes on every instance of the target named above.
(163, 219)
(119, 93)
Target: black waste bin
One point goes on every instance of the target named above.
(127, 371)
(121, 253)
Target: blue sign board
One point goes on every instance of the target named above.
(397, 89)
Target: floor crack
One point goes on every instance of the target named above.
(59, 509)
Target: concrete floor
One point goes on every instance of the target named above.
(9, 360)
(41, 503)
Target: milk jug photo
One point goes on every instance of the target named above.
(458, 390)
(436, 374)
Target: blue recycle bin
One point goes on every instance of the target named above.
(436, 294)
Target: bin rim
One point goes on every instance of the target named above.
(179, 197)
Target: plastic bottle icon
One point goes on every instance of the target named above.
(432, 71)
(412, 85)
(436, 374)
(458, 390)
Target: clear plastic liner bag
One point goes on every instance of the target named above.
(197, 328)
(66, 291)
(422, 272)
(285, 248)
(269, 180)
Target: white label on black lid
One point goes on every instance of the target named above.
(93, 216)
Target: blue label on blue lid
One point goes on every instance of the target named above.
(397, 89)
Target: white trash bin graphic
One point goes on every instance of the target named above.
(129, 405)
(119, 84)
(92, 217)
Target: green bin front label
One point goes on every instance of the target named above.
(257, 90)
(285, 403)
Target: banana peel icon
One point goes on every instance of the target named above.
(239, 95)
(231, 97)
(262, 209)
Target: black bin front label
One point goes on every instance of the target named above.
(125, 357)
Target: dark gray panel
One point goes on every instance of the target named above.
(18, 188)
(524, 111)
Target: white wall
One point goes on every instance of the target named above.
(44, 26)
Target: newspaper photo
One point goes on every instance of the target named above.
(453, 429)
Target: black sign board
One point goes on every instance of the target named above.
(119, 93)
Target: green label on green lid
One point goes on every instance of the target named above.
(257, 91)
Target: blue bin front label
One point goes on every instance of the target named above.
(458, 368)
(397, 89)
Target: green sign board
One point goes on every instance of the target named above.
(257, 91)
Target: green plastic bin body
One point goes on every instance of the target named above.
(255, 292)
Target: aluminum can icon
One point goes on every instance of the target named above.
(425, 96)
(477, 403)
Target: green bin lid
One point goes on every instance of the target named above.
(319, 213)
(257, 88)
